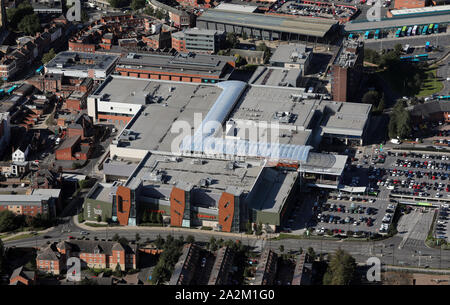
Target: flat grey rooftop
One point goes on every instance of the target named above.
(152, 126)
(300, 25)
(290, 53)
(102, 192)
(261, 104)
(274, 76)
(272, 189)
(349, 118)
(189, 63)
(71, 60)
(190, 171)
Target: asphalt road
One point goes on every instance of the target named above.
(387, 250)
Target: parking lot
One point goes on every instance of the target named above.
(414, 226)
(417, 176)
(442, 228)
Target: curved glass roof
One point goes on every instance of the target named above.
(204, 141)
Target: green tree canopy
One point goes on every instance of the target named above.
(2, 257)
(15, 15)
(115, 237)
(30, 24)
(190, 239)
(137, 4)
(371, 97)
(341, 269)
(119, 3)
(7, 222)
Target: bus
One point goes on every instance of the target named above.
(436, 28)
(427, 46)
(430, 29)
(414, 30)
(408, 33)
(10, 90)
(425, 30)
(377, 34)
(397, 34)
(366, 35)
(404, 30)
(38, 70)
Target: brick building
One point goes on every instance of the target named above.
(30, 205)
(22, 277)
(161, 40)
(62, 85)
(186, 67)
(402, 4)
(92, 253)
(73, 148)
(186, 265)
(346, 71)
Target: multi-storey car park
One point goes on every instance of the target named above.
(220, 176)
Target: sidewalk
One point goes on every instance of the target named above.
(168, 229)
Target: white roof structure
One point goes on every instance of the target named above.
(204, 141)
(236, 7)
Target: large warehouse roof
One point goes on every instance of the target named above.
(298, 25)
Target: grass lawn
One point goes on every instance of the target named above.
(92, 224)
(22, 236)
(431, 84)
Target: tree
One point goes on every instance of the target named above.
(212, 244)
(137, 237)
(118, 271)
(341, 269)
(119, 3)
(84, 16)
(190, 239)
(232, 40)
(311, 254)
(159, 14)
(371, 97)
(30, 24)
(7, 221)
(248, 227)
(263, 47)
(2, 257)
(281, 248)
(115, 237)
(159, 242)
(160, 218)
(123, 241)
(149, 10)
(145, 217)
(15, 15)
(153, 216)
(137, 4)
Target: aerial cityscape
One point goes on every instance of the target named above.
(228, 143)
